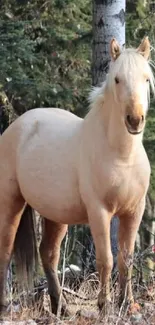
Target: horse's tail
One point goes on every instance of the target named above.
(25, 248)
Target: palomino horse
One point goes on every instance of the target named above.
(74, 170)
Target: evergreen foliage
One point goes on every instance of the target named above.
(45, 53)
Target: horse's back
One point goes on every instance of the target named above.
(37, 125)
(51, 119)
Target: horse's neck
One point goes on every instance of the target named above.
(107, 124)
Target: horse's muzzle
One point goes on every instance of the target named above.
(135, 124)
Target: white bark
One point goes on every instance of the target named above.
(108, 22)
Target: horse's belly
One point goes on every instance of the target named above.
(54, 197)
(60, 206)
(67, 215)
(46, 166)
(52, 190)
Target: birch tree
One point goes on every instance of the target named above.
(108, 22)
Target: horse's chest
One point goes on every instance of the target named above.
(125, 190)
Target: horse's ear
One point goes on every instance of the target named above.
(144, 48)
(115, 49)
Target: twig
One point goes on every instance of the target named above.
(122, 306)
(76, 294)
(63, 277)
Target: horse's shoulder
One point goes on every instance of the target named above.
(144, 162)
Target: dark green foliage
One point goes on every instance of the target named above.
(149, 143)
(140, 20)
(45, 53)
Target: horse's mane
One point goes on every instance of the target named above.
(128, 61)
(96, 94)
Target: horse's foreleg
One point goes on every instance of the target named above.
(100, 227)
(128, 228)
(50, 252)
(10, 214)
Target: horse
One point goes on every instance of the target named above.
(76, 171)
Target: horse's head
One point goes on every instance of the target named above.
(130, 76)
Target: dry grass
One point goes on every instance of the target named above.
(85, 302)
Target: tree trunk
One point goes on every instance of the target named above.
(7, 112)
(108, 22)
(147, 232)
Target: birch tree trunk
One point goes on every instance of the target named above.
(108, 22)
(147, 231)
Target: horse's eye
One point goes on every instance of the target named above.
(116, 80)
(147, 80)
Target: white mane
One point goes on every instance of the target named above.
(96, 93)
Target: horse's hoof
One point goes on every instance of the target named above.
(104, 301)
(3, 311)
(125, 302)
(56, 308)
(104, 307)
(65, 312)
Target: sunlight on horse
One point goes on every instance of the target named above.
(75, 171)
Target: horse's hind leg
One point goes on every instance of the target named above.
(10, 214)
(53, 235)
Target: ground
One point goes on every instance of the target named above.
(82, 306)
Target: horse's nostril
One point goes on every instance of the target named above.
(134, 121)
(128, 119)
